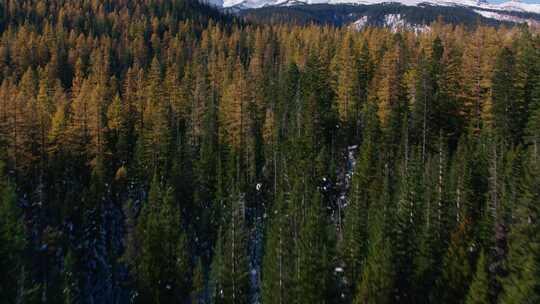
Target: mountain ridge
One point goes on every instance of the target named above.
(410, 14)
(512, 5)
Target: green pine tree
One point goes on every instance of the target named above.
(479, 290)
(453, 283)
(532, 131)
(71, 288)
(198, 284)
(313, 261)
(13, 286)
(522, 285)
(163, 260)
(278, 267)
(362, 196)
(506, 106)
(230, 267)
(376, 282)
(407, 227)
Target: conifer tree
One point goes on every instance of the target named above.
(506, 107)
(347, 86)
(479, 289)
(406, 227)
(217, 273)
(289, 107)
(532, 130)
(156, 137)
(71, 290)
(460, 196)
(13, 239)
(44, 110)
(391, 96)
(365, 75)
(471, 82)
(527, 68)
(198, 284)
(376, 282)
(163, 258)
(422, 111)
(361, 198)
(314, 260)
(456, 274)
(278, 267)
(319, 113)
(522, 283)
(25, 138)
(58, 133)
(230, 274)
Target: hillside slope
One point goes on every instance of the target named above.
(411, 14)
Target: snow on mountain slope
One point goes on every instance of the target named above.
(506, 6)
(504, 17)
(394, 22)
(519, 6)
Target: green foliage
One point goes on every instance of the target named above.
(454, 281)
(479, 290)
(198, 286)
(408, 221)
(278, 262)
(376, 282)
(71, 288)
(506, 107)
(158, 151)
(362, 196)
(13, 240)
(522, 283)
(314, 268)
(163, 261)
(230, 273)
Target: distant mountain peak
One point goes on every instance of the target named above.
(510, 5)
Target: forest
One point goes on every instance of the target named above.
(159, 151)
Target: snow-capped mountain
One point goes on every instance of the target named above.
(513, 5)
(414, 15)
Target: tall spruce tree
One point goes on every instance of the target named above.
(406, 227)
(278, 261)
(13, 239)
(454, 281)
(376, 283)
(362, 196)
(163, 261)
(313, 260)
(522, 283)
(230, 273)
(506, 106)
(479, 290)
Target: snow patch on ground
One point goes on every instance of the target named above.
(360, 23)
(394, 22)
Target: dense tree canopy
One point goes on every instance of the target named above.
(161, 152)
